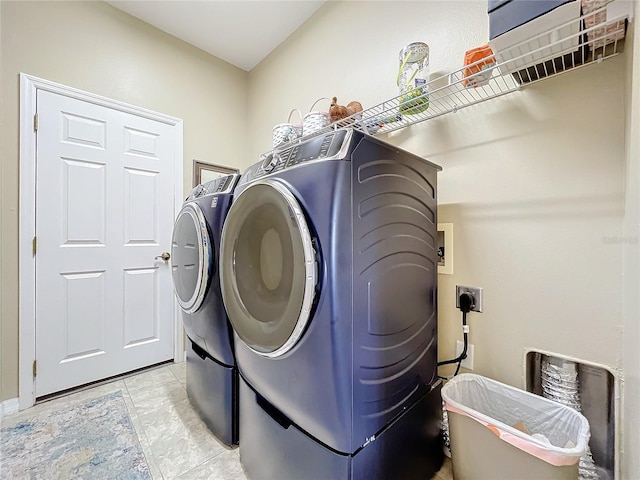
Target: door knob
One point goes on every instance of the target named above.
(165, 256)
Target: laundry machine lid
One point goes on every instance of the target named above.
(191, 257)
(268, 270)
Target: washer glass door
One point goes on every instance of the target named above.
(191, 257)
(268, 270)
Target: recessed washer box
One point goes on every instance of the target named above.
(596, 388)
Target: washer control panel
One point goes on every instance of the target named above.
(219, 185)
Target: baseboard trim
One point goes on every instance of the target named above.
(9, 407)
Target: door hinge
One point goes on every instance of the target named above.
(35, 245)
(35, 122)
(35, 368)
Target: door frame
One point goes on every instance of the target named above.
(29, 86)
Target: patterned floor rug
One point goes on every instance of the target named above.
(93, 440)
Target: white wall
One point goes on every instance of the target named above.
(631, 359)
(533, 181)
(95, 47)
(2, 122)
(350, 50)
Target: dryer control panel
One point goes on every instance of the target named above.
(323, 147)
(330, 146)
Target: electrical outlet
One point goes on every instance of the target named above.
(467, 362)
(477, 295)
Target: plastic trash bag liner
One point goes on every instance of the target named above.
(557, 434)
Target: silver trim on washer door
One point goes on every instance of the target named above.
(204, 258)
(311, 270)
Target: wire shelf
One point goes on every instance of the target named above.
(588, 39)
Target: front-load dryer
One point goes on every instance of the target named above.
(329, 278)
(212, 377)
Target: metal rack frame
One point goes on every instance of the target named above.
(528, 62)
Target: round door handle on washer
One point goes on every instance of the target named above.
(165, 256)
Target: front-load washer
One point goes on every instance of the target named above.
(329, 278)
(212, 376)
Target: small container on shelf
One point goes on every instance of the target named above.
(315, 121)
(594, 14)
(286, 132)
(413, 76)
(479, 63)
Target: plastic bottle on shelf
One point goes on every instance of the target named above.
(413, 76)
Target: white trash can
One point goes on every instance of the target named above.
(501, 432)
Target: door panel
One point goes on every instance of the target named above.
(84, 131)
(142, 143)
(83, 191)
(140, 220)
(83, 314)
(104, 211)
(140, 304)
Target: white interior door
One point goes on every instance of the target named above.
(104, 212)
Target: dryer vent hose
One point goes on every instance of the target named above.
(446, 440)
(560, 383)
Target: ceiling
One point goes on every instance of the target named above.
(241, 32)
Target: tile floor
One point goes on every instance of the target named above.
(176, 443)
